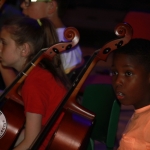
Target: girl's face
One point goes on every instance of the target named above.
(9, 52)
(35, 10)
(131, 82)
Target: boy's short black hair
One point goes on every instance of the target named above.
(139, 49)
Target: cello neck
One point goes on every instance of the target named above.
(71, 34)
(69, 102)
(122, 30)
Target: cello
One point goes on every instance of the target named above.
(74, 129)
(12, 116)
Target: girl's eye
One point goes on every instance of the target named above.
(128, 73)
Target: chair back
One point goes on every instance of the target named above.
(100, 98)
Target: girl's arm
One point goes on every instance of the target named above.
(8, 75)
(32, 128)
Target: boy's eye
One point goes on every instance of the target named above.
(114, 73)
(2, 42)
(128, 73)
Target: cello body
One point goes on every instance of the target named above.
(73, 133)
(15, 118)
(12, 117)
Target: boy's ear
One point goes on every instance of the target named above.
(52, 7)
(25, 50)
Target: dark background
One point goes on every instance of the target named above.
(96, 19)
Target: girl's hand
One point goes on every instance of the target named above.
(32, 129)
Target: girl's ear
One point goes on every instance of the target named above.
(52, 7)
(25, 50)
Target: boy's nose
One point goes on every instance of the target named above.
(118, 81)
(1, 46)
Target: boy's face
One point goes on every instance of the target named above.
(35, 10)
(130, 80)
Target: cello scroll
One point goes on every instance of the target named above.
(72, 36)
(124, 31)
